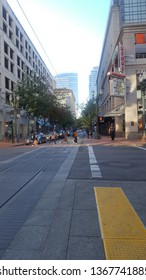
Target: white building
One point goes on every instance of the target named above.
(68, 98)
(92, 82)
(69, 81)
(17, 57)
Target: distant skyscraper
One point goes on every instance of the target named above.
(69, 81)
(92, 82)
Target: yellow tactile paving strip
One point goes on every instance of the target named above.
(123, 233)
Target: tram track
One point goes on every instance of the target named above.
(30, 179)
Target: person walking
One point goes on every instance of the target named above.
(53, 137)
(112, 131)
(65, 138)
(75, 135)
(87, 131)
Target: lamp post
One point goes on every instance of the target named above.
(96, 99)
(142, 81)
(14, 99)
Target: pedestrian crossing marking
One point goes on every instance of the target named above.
(95, 170)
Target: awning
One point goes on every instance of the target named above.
(119, 111)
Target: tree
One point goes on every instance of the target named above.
(88, 114)
(36, 98)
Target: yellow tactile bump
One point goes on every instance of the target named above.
(125, 249)
(108, 195)
(123, 233)
(120, 222)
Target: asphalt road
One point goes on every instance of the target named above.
(47, 202)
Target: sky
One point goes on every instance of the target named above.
(71, 33)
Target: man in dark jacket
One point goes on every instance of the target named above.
(112, 131)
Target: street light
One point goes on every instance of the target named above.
(96, 99)
(142, 81)
(14, 99)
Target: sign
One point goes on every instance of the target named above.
(117, 87)
(121, 58)
(140, 38)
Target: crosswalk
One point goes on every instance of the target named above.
(95, 170)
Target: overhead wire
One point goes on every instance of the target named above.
(38, 39)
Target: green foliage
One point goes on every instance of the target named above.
(88, 114)
(36, 98)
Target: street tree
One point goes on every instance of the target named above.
(88, 114)
(36, 99)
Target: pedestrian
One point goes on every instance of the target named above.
(75, 136)
(32, 137)
(112, 131)
(53, 137)
(87, 131)
(65, 137)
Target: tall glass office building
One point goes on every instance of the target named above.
(69, 81)
(92, 82)
(131, 10)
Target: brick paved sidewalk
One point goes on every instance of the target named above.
(6, 144)
(105, 140)
(120, 141)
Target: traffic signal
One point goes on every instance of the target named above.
(10, 123)
(101, 119)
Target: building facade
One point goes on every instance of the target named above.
(18, 57)
(92, 82)
(69, 81)
(67, 99)
(121, 97)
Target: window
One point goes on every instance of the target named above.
(6, 48)
(21, 49)
(21, 37)
(18, 60)
(17, 43)
(27, 71)
(26, 55)
(140, 55)
(133, 11)
(10, 21)
(7, 97)
(4, 13)
(26, 44)
(6, 83)
(18, 73)
(17, 31)
(10, 35)
(4, 27)
(22, 64)
(11, 54)
(29, 49)
(6, 62)
(12, 86)
(12, 67)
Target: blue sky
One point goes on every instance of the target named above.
(71, 33)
